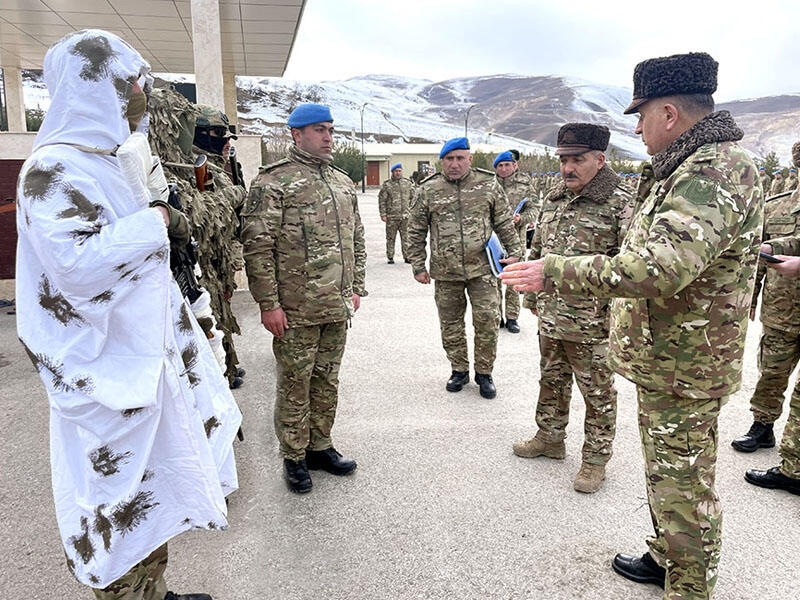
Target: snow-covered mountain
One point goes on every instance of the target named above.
(522, 111)
(507, 110)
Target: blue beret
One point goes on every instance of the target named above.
(503, 157)
(308, 114)
(459, 143)
(776, 171)
(396, 166)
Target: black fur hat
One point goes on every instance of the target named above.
(577, 138)
(693, 73)
(796, 154)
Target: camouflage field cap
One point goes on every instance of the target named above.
(578, 138)
(212, 118)
(693, 73)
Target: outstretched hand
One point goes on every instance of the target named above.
(525, 276)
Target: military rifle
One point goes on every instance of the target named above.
(201, 171)
(236, 173)
(183, 257)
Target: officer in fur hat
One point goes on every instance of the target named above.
(682, 284)
(586, 213)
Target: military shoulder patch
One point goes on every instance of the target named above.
(430, 177)
(341, 170)
(275, 165)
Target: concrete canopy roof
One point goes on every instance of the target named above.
(257, 35)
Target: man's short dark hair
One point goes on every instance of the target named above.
(695, 104)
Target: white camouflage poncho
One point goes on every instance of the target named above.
(142, 422)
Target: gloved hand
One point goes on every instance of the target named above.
(135, 164)
(178, 227)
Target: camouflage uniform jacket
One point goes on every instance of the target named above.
(765, 183)
(517, 187)
(303, 240)
(777, 186)
(593, 222)
(461, 216)
(684, 277)
(791, 183)
(394, 197)
(211, 213)
(780, 300)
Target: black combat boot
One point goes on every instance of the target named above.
(773, 479)
(330, 460)
(486, 384)
(457, 381)
(296, 474)
(640, 570)
(512, 325)
(760, 435)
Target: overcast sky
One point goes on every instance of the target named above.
(756, 43)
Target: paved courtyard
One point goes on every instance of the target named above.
(439, 507)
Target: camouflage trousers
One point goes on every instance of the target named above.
(679, 443)
(393, 227)
(559, 360)
(145, 581)
(778, 354)
(231, 358)
(512, 300)
(308, 360)
(790, 442)
(451, 302)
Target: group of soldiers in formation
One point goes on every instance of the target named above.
(651, 277)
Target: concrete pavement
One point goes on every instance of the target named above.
(439, 507)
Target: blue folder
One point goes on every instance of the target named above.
(495, 252)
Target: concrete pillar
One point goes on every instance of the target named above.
(230, 108)
(207, 43)
(15, 101)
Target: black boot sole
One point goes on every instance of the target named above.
(298, 490)
(340, 471)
